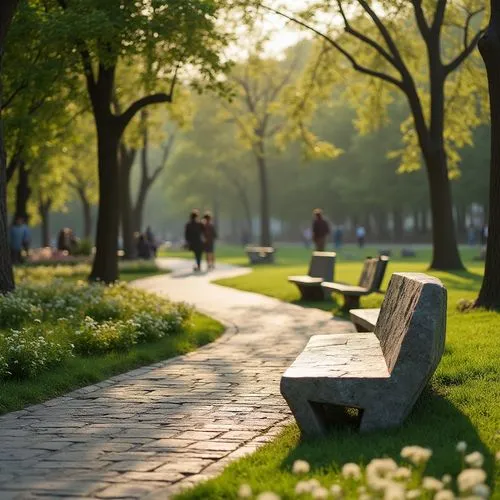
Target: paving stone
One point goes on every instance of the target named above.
(158, 429)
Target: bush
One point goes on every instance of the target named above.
(99, 338)
(83, 248)
(28, 351)
(16, 309)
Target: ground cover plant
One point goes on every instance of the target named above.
(460, 403)
(60, 333)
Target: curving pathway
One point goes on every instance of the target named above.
(154, 430)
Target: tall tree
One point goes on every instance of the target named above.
(489, 46)
(7, 9)
(372, 44)
(171, 34)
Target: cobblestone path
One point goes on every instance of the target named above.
(156, 429)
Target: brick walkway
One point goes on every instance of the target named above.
(151, 431)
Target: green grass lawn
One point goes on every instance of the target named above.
(462, 402)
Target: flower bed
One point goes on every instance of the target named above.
(44, 323)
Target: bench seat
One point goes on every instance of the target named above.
(346, 289)
(346, 355)
(364, 319)
(321, 268)
(260, 255)
(381, 374)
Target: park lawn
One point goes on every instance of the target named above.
(460, 403)
(86, 370)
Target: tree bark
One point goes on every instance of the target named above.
(7, 9)
(127, 157)
(23, 192)
(489, 46)
(44, 211)
(87, 214)
(265, 218)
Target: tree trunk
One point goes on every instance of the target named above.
(44, 210)
(87, 215)
(489, 46)
(398, 225)
(105, 266)
(23, 192)
(445, 255)
(265, 222)
(126, 210)
(7, 9)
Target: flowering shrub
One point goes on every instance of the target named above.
(44, 322)
(26, 352)
(384, 479)
(98, 338)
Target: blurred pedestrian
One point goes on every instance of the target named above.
(209, 237)
(360, 236)
(19, 239)
(193, 234)
(320, 230)
(338, 236)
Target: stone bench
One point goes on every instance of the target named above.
(370, 281)
(364, 319)
(380, 375)
(260, 255)
(321, 268)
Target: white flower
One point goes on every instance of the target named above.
(302, 487)
(351, 470)
(416, 454)
(431, 484)
(336, 491)
(469, 478)
(268, 495)
(461, 447)
(413, 494)
(319, 493)
(481, 490)
(446, 479)
(402, 473)
(394, 491)
(475, 460)
(379, 471)
(444, 495)
(301, 467)
(245, 491)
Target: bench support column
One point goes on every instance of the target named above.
(350, 302)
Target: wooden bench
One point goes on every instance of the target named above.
(321, 268)
(370, 281)
(380, 375)
(260, 255)
(364, 319)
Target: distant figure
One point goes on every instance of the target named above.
(361, 235)
(338, 236)
(193, 234)
(143, 247)
(320, 230)
(20, 239)
(64, 240)
(209, 237)
(151, 240)
(471, 235)
(484, 235)
(307, 236)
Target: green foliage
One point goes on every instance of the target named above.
(45, 322)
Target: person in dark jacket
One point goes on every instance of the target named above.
(193, 234)
(320, 230)
(209, 237)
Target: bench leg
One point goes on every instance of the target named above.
(374, 419)
(312, 293)
(309, 419)
(350, 302)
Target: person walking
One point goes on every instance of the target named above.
(19, 239)
(209, 237)
(320, 230)
(193, 234)
(151, 240)
(338, 236)
(361, 235)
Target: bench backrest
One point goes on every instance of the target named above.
(322, 265)
(411, 326)
(373, 273)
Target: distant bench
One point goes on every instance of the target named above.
(370, 281)
(380, 374)
(321, 268)
(260, 255)
(364, 319)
